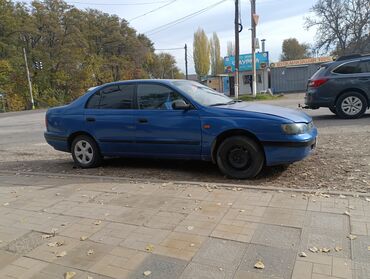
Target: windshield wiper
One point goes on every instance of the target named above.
(223, 104)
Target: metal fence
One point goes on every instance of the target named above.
(292, 78)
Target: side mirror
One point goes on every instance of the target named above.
(180, 105)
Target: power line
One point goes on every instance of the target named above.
(118, 4)
(182, 19)
(152, 11)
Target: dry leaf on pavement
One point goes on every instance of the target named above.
(367, 199)
(325, 250)
(368, 248)
(342, 196)
(347, 213)
(69, 274)
(149, 248)
(97, 222)
(352, 237)
(147, 273)
(61, 254)
(338, 249)
(190, 228)
(259, 265)
(83, 238)
(302, 255)
(56, 244)
(90, 252)
(46, 236)
(314, 249)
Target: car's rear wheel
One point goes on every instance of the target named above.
(240, 157)
(351, 105)
(85, 152)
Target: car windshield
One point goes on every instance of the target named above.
(203, 94)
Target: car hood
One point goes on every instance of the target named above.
(287, 113)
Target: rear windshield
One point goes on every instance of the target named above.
(319, 72)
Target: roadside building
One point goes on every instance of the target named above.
(292, 76)
(245, 73)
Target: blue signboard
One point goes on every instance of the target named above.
(245, 62)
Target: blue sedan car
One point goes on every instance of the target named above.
(178, 119)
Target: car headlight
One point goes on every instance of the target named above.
(297, 128)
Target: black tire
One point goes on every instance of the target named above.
(91, 153)
(333, 110)
(240, 157)
(351, 105)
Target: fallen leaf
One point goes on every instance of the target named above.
(89, 277)
(149, 248)
(342, 196)
(6, 204)
(368, 248)
(189, 195)
(69, 274)
(259, 265)
(97, 222)
(90, 252)
(314, 249)
(147, 273)
(61, 254)
(83, 238)
(46, 236)
(302, 255)
(190, 228)
(220, 269)
(56, 244)
(338, 249)
(347, 213)
(352, 237)
(192, 245)
(325, 250)
(293, 195)
(230, 204)
(241, 210)
(367, 199)
(219, 203)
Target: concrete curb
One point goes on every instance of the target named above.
(229, 186)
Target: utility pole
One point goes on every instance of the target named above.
(186, 61)
(254, 21)
(236, 77)
(28, 78)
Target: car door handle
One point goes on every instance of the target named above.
(142, 120)
(90, 119)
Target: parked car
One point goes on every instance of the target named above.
(343, 86)
(179, 119)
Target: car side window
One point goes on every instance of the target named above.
(156, 97)
(93, 102)
(349, 68)
(365, 66)
(117, 97)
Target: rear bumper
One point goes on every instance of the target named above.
(315, 99)
(57, 141)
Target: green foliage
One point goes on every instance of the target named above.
(217, 65)
(163, 66)
(201, 53)
(79, 49)
(292, 50)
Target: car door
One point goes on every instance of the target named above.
(109, 118)
(364, 79)
(162, 131)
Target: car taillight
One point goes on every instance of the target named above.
(317, 82)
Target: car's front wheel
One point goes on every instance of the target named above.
(351, 105)
(85, 152)
(240, 157)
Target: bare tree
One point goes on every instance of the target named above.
(343, 26)
(230, 48)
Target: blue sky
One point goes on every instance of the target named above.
(279, 19)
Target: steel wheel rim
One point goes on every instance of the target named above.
(83, 152)
(238, 157)
(351, 105)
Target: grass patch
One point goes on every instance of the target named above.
(260, 97)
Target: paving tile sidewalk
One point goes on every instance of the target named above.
(50, 226)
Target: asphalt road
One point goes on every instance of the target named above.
(343, 152)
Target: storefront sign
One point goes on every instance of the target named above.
(245, 62)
